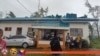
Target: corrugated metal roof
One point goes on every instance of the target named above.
(49, 19)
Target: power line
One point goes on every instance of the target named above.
(23, 6)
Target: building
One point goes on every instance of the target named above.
(41, 28)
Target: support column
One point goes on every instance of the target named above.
(38, 35)
(64, 39)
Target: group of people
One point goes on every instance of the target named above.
(73, 43)
(70, 42)
(54, 43)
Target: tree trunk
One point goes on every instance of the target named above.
(96, 23)
(97, 29)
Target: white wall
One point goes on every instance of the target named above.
(25, 26)
(14, 26)
(85, 28)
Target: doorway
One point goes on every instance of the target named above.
(46, 34)
(19, 31)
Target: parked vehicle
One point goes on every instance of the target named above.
(19, 40)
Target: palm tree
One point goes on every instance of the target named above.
(41, 13)
(36, 15)
(11, 14)
(46, 11)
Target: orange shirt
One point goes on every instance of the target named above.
(78, 39)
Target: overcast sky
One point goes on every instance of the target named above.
(55, 6)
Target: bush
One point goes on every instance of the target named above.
(84, 43)
(95, 43)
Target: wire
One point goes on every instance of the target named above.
(23, 6)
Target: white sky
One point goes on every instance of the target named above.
(55, 6)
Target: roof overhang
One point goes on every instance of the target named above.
(51, 19)
(50, 27)
(79, 20)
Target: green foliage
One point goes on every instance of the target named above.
(36, 15)
(95, 43)
(10, 15)
(41, 13)
(90, 27)
(85, 43)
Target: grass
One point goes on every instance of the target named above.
(49, 54)
(44, 54)
(95, 43)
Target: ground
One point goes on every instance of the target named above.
(94, 43)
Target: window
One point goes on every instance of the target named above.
(30, 29)
(8, 28)
(47, 34)
(12, 37)
(19, 31)
(17, 37)
(20, 37)
(31, 32)
(76, 31)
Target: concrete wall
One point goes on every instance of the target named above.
(14, 26)
(25, 26)
(85, 28)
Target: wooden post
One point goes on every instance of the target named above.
(63, 39)
(38, 37)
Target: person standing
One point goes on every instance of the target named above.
(55, 45)
(79, 41)
(72, 43)
(3, 48)
(68, 40)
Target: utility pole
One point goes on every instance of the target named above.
(39, 6)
